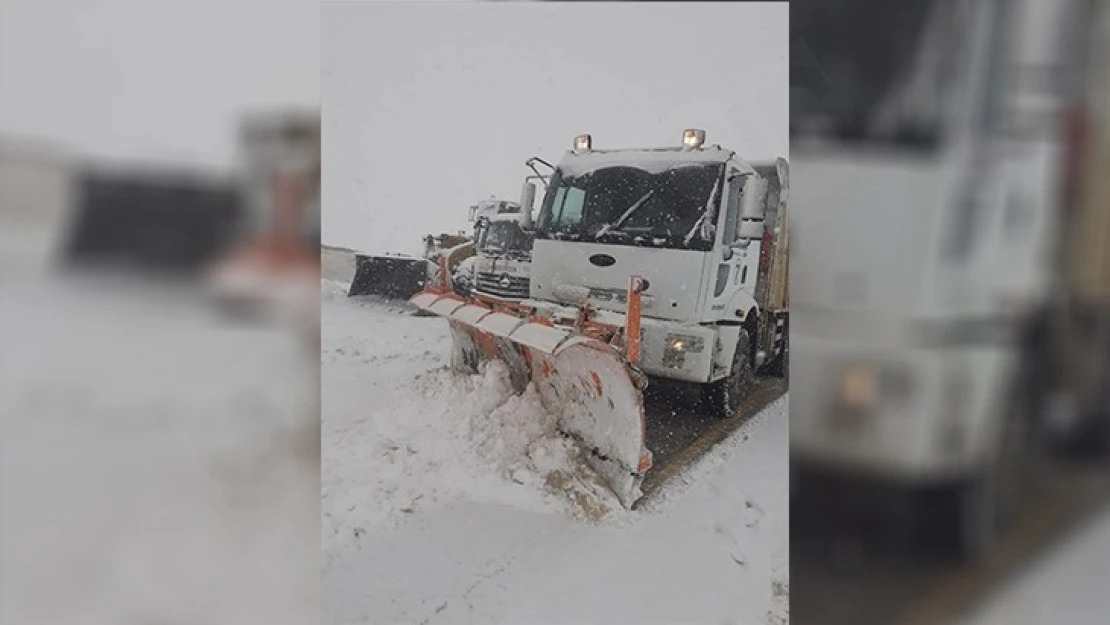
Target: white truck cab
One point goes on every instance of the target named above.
(501, 267)
(700, 226)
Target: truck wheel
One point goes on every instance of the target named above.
(987, 505)
(723, 397)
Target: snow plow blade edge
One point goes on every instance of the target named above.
(586, 383)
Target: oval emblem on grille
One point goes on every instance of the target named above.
(602, 260)
(506, 282)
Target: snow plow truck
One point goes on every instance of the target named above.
(500, 270)
(668, 263)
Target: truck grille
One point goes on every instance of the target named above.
(491, 284)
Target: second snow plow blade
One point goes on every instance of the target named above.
(596, 396)
(392, 277)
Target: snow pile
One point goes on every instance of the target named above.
(458, 438)
(332, 290)
(1067, 585)
(498, 425)
(147, 464)
(714, 551)
(418, 435)
(448, 499)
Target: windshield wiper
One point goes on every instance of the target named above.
(606, 229)
(703, 225)
(565, 234)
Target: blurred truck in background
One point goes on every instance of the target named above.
(275, 264)
(931, 159)
(476, 262)
(1078, 328)
(163, 218)
(397, 276)
(504, 252)
(270, 141)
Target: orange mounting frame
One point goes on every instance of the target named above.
(602, 331)
(502, 305)
(632, 320)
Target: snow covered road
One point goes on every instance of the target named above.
(1067, 586)
(446, 500)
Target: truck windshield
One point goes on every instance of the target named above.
(874, 72)
(504, 237)
(631, 206)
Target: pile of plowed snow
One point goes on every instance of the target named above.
(332, 290)
(406, 433)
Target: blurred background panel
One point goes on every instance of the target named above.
(159, 311)
(36, 180)
(153, 219)
(949, 416)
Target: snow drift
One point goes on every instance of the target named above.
(419, 435)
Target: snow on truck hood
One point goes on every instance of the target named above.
(650, 160)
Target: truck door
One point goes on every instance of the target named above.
(736, 269)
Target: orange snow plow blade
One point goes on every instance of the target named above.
(585, 382)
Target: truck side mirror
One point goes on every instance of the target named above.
(527, 199)
(747, 232)
(782, 167)
(753, 203)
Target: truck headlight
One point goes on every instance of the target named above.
(859, 387)
(863, 386)
(684, 343)
(677, 346)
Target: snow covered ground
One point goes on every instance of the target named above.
(149, 465)
(448, 499)
(1068, 586)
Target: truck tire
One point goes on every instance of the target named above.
(723, 397)
(987, 504)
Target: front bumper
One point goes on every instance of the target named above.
(695, 364)
(908, 425)
(677, 352)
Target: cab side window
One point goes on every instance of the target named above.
(732, 205)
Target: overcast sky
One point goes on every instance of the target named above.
(430, 107)
(153, 79)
